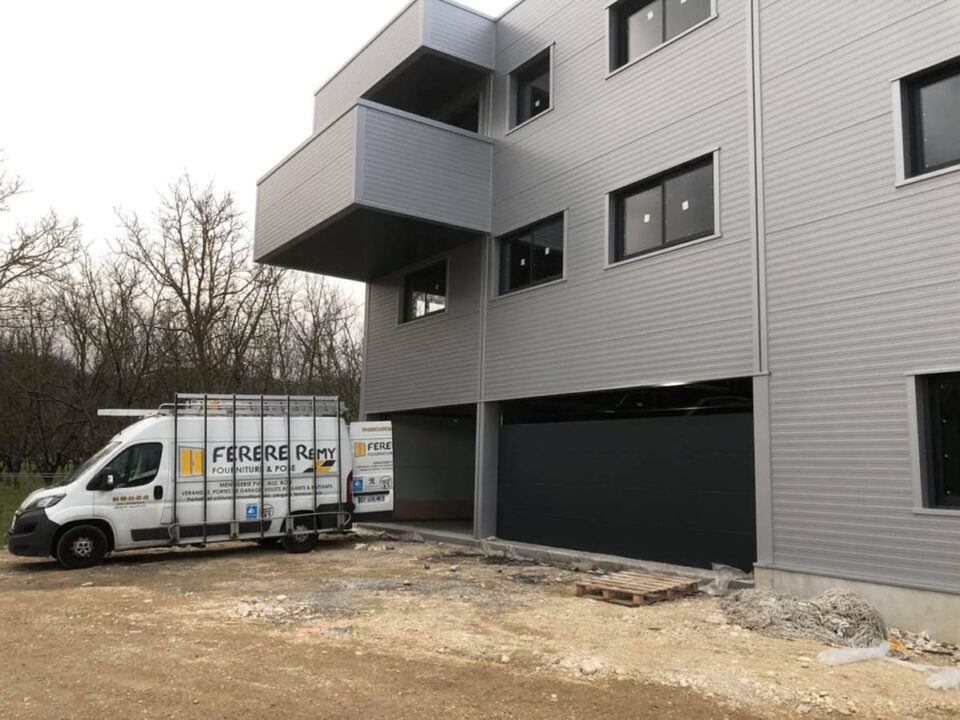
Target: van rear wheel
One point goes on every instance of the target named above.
(303, 538)
(81, 546)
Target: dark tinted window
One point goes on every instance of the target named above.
(684, 14)
(642, 221)
(933, 119)
(425, 292)
(532, 256)
(639, 26)
(548, 250)
(942, 404)
(688, 204)
(135, 466)
(668, 209)
(532, 83)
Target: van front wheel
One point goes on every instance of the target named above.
(81, 546)
(302, 539)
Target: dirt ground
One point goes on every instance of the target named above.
(368, 627)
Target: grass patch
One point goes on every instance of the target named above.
(10, 499)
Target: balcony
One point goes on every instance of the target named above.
(377, 189)
(430, 52)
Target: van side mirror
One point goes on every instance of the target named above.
(105, 481)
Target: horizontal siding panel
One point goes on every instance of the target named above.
(434, 362)
(398, 41)
(312, 185)
(424, 170)
(862, 289)
(460, 33)
(692, 78)
(684, 314)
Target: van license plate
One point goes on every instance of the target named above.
(364, 499)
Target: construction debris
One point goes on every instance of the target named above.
(723, 577)
(922, 643)
(837, 617)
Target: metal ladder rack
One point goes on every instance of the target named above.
(262, 406)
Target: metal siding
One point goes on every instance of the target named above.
(862, 288)
(313, 184)
(432, 362)
(424, 170)
(460, 33)
(684, 314)
(398, 41)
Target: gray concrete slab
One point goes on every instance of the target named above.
(542, 553)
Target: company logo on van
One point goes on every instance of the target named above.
(191, 462)
(321, 466)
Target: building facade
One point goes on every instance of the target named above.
(674, 280)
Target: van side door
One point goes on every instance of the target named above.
(131, 493)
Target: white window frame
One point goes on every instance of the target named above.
(921, 504)
(512, 90)
(611, 37)
(402, 290)
(610, 196)
(900, 130)
(495, 293)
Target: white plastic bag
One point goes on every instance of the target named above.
(945, 679)
(723, 575)
(845, 656)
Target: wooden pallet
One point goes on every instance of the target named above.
(633, 588)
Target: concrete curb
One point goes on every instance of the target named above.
(555, 556)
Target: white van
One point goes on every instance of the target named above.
(214, 468)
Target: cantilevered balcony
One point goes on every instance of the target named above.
(377, 189)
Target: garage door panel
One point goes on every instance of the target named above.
(670, 489)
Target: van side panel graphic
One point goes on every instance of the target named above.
(191, 462)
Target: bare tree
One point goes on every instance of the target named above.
(199, 255)
(176, 306)
(40, 250)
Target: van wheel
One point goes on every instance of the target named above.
(303, 539)
(81, 547)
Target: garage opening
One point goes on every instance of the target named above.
(434, 467)
(657, 473)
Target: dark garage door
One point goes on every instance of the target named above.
(671, 489)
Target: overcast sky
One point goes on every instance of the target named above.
(105, 102)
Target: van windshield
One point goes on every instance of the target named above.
(96, 458)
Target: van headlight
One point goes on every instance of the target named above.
(45, 502)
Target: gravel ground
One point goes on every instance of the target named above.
(373, 627)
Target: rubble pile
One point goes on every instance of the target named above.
(837, 617)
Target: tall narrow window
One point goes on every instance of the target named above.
(532, 87)
(931, 102)
(669, 209)
(941, 402)
(532, 256)
(425, 292)
(639, 26)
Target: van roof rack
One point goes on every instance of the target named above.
(186, 404)
(194, 404)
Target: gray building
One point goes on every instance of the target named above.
(674, 280)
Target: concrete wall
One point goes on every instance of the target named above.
(904, 608)
(434, 466)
